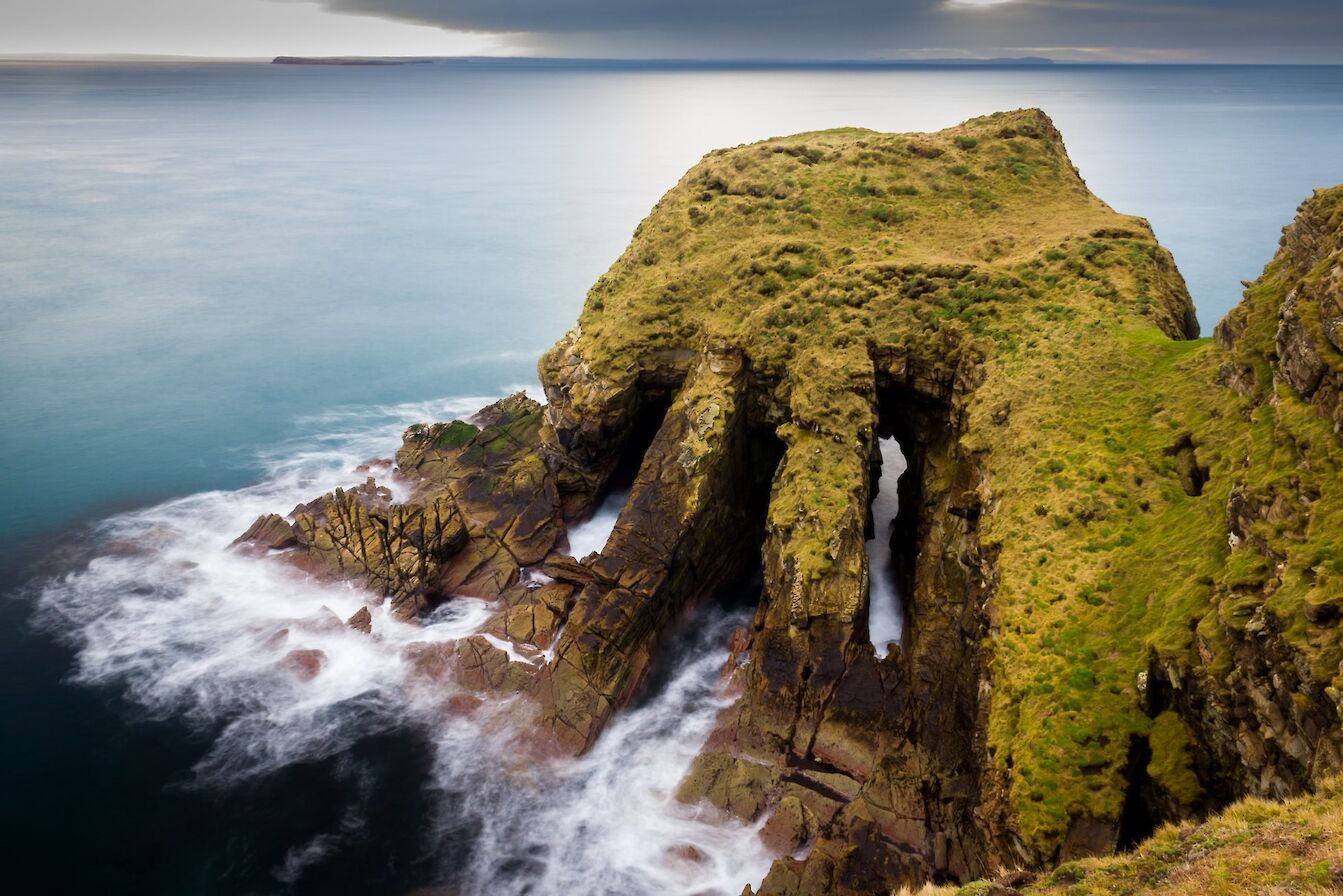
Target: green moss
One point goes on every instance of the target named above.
(1172, 765)
(455, 435)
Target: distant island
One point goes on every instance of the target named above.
(551, 61)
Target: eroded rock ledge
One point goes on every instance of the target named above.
(1121, 548)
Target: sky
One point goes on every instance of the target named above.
(1253, 31)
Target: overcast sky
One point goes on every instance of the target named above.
(1124, 30)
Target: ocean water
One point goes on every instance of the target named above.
(223, 285)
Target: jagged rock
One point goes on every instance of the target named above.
(534, 615)
(739, 786)
(504, 489)
(396, 548)
(567, 569)
(269, 532)
(484, 505)
(789, 827)
(676, 539)
(361, 621)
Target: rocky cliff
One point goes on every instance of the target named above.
(1120, 547)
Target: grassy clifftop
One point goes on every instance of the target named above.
(835, 240)
(1182, 579)
(814, 252)
(1120, 547)
(1161, 516)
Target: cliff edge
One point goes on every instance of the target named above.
(1120, 547)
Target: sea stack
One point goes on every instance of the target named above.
(1121, 547)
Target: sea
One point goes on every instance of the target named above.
(223, 285)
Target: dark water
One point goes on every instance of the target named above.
(204, 268)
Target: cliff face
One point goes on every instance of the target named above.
(1120, 548)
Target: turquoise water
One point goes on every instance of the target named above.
(221, 285)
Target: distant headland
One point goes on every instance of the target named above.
(350, 60)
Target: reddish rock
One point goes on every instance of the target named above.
(684, 852)
(462, 704)
(788, 828)
(430, 660)
(304, 664)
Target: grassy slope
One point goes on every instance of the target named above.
(981, 243)
(1122, 564)
(1255, 847)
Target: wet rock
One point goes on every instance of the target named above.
(684, 852)
(506, 492)
(270, 532)
(430, 661)
(305, 665)
(324, 621)
(534, 616)
(481, 666)
(675, 540)
(739, 786)
(361, 621)
(789, 827)
(396, 548)
(483, 505)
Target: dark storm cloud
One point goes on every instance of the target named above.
(865, 28)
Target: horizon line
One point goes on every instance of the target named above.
(687, 62)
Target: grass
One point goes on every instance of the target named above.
(978, 258)
(1254, 848)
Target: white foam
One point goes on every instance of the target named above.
(531, 658)
(191, 629)
(608, 824)
(591, 535)
(885, 614)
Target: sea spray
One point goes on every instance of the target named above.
(188, 628)
(608, 823)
